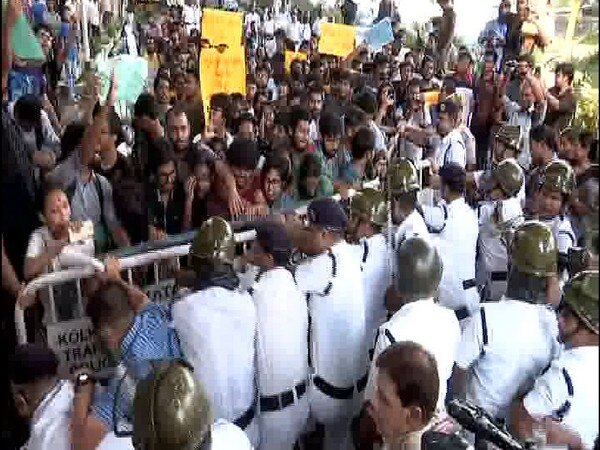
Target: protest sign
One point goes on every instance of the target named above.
(337, 39)
(163, 292)
(222, 27)
(222, 72)
(291, 56)
(24, 43)
(131, 71)
(379, 35)
(76, 346)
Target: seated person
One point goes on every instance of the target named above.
(276, 180)
(200, 201)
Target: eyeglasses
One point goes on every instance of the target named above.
(167, 175)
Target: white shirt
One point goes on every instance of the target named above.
(112, 442)
(457, 246)
(551, 392)
(93, 13)
(227, 436)
(50, 424)
(337, 311)
(373, 253)
(380, 140)
(493, 255)
(452, 150)
(216, 328)
(282, 332)
(269, 27)
(415, 322)
(294, 31)
(512, 360)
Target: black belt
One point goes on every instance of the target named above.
(468, 284)
(340, 393)
(244, 420)
(499, 276)
(462, 313)
(283, 400)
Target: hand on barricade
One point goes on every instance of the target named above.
(156, 234)
(25, 299)
(190, 188)
(112, 268)
(235, 203)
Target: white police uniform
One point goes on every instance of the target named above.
(281, 358)
(565, 239)
(504, 347)
(217, 328)
(454, 229)
(373, 253)
(452, 150)
(333, 285)
(227, 436)
(428, 324)
(50, 424)
(568, 392)
(492, 264)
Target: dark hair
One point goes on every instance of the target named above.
(158, 79)
(192, 71)
(220, 101)
(215, 142)
(572, 135)
(263, 67)
(355, 117)
(109, 304)
(28, 108)
(162, 149)
(362, 142)
(367, 102)
(243, 117)
(545, 134)
(114, 121)
(454, 176)
(310, 167)
(566, 69)
(280, 163)
(413, 370)
(297, 115)
(274, 240)
(32, 362)
(243, 153)
(200, 158)
(71, 139)
(330, 125)
(178, 109)
(526, 57)
(144, 106)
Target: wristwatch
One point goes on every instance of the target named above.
(82, 380)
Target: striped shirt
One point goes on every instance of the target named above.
(149, 338)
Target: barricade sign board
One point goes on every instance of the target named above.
(163, 292)
(222, 27)
(76, 346)
(337, 39)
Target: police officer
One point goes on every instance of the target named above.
(216, 326)
(565, 398)
(172, 411)
(331, 279)
(498, 214)
(281, 350)
(509, 343)
(417, 286)
(368, 217)
(552, 202)
(454, 229)
(505, 146)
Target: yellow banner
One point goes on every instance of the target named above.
(222, 27)
(337, 39)
(222, 72)
(291, 56)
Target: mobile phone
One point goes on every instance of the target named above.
(85, 232)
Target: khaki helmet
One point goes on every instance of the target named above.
(214, 240)
(369, 204)
(508, 175)
(581, 295)
(420, 269)
(510, 136)
(402, 177)
(171, 409)
(533, 249)
(559, 176)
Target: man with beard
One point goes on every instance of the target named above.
(564, 400)
(178, 129)
(452, 147)
(430, 82)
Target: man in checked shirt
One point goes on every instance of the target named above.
(135, 331)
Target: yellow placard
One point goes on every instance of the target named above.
(222, 73)
(337, 39)
(222, 27)
(431, 98)
(291, 56)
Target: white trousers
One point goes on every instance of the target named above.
(253, 432)
(279, 430)
(336, 416)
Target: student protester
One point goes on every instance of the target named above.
(311, 183)
(561, 98)
(276, 181)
